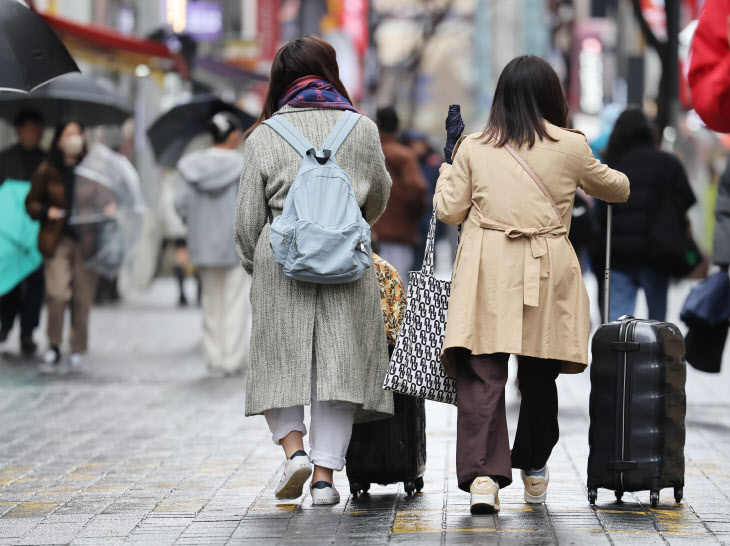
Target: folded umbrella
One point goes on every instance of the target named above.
(19, 255)
(88, 100)
(454, 128)
(171, 133)
(30, 53)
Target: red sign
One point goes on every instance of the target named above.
(268, 28)
(354, 22)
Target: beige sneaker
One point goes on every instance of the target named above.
(536, 487)
(484, 496)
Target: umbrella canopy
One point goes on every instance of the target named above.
(30, 53)
(19, 254)
(78, 96)
(172, 132)
(106, 209)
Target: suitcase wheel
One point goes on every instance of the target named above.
(410, 487)
(592, 496)
(419, 485)
(619, 495)
(654, 499)
(678, 494)
(356, 489)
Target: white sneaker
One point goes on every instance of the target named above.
(484, 496)
(536, 487)
(76, 361)
(296, 472)
(324, 493)
(50, 362)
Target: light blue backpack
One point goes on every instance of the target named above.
(321, 235)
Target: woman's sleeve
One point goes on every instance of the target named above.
(599, 180)
(35, 203)
(453, 190)
(252, 207)
(380, 181)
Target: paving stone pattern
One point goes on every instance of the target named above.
(147, 447)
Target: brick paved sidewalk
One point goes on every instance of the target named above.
(146, 447)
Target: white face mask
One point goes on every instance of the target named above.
(73, 145)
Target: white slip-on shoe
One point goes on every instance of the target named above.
(536, 487)
(324, 493)
(51, 361)
(76, 362)
(296, 472)
(484, 496)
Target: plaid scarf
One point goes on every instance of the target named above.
(314, 92)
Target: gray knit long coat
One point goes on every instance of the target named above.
(338, 328)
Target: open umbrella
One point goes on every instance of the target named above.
(106, 209)
(30, 53)
(19, 255)
(78, 96)
(172, 132)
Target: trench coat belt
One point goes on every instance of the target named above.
(533, 252)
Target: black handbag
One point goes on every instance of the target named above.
(672, 249)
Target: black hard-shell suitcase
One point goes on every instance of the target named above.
(637, 406)
(391, 450)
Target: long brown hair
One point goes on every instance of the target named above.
(528, 94)
(307, 56)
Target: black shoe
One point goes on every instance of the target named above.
(27, 346)
(4, 335)
(183, 301)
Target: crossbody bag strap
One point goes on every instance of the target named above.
(536, 179)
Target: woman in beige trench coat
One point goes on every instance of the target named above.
(517, 286)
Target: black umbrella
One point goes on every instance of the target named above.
(30, 53)
(454, 128)
(172, 132)
(83, 98)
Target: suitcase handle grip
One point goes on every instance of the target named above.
(625, 346)
(623, 465)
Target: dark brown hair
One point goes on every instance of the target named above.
(528, 94)
(307, 56)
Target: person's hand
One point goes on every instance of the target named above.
(110, 209)
(444, 167)
(56, 213)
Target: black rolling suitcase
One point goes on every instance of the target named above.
(637, 405)
(391, 450)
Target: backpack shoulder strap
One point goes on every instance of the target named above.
(339, 133)
(535, 178)
(288, 132)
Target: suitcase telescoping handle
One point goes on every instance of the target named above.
(607, 272)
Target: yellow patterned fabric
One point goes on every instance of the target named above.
(392, 297)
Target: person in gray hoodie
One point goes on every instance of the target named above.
(208, 206)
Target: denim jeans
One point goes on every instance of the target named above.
(625, 285)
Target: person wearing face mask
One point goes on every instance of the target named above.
(68, 282)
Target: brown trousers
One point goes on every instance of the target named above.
(69, 283)
(482, 439)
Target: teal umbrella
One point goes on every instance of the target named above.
(19, 255)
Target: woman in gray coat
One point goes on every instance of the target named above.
(316, 344)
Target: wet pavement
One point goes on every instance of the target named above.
(147, 447)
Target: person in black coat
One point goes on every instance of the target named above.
(655, 175)
(19, 162)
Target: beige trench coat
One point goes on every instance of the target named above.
(517, 285)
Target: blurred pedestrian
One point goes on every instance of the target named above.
(69, 283)
(430, 161)
(517, 286)
(208, 206)
(19, 162)
(710, 65)
(655, 176)
(397, 230)
(721, 236)
(317, 344)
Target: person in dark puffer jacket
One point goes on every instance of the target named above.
(652, 172)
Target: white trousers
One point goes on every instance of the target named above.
(226, 317)
(330, 424)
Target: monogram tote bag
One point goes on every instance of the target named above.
(415, 367)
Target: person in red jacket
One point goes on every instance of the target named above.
(709, 71)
